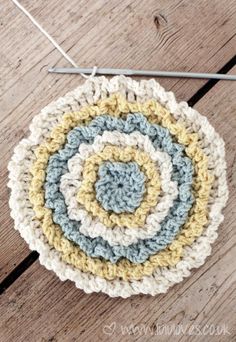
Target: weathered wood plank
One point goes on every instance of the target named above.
(39, 305)
(177, 34)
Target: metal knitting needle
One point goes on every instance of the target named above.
(131, 72)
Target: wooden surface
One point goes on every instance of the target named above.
(170, 34)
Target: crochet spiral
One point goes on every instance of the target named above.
(119, 188)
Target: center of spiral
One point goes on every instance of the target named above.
(120, 186)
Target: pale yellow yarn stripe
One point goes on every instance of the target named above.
(87, 196)
(117, 106)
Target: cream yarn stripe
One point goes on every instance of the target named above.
(71, 181)
(89, 93)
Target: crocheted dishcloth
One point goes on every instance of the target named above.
(121, 100)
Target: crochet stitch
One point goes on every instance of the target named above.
(120, 186)
(210, 193)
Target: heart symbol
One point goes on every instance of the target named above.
(109, 329)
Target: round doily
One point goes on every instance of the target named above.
(119, 188)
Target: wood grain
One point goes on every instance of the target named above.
(170, 34)
(39, 307)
